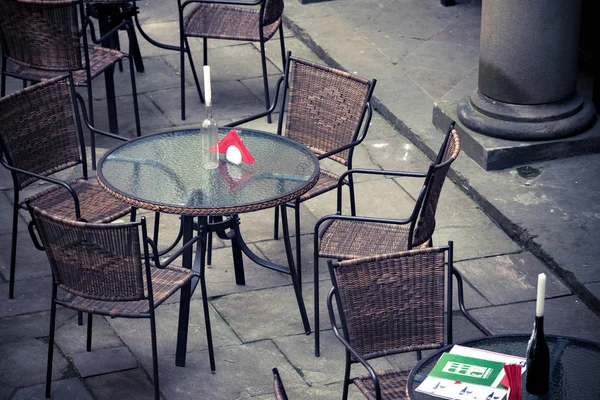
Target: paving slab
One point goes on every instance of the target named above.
(64, 389)
(103, 361)
(510, 278)
(6, 390)
(135, 333)
(298, 349)
(31, 295)
(130, 384)
(331, 391)
(31, 326)
(30, 262)
(71, 338)
(23, 363)
(562, 316)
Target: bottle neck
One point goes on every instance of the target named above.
(208, 108)
(539, 325)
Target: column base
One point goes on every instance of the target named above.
(526, 122)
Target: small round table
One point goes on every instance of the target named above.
(574, 365)
(162, 172)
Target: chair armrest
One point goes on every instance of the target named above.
(36, 242)
(337, 334)
(173, 256)
(342, 179)
(47, 179)
(90, 127)
(262, 114)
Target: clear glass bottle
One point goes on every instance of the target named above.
(209, 138)
(538, 360)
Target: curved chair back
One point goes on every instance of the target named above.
(425, 225)
(273, 10)
(41, 34)
(38, 131)
(393, 303)
(93, 261)
(325, 108)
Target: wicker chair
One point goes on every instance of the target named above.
(45, 38)
(391, 304)
(103, 271)
(329, 111)
(345, 237)
(255, 21)
(278, 386)
(39, 136)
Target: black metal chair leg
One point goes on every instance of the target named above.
(194, 73)
(88, 344)
(276, 224)
(298, 244)
(135, 48)
(282, 45)
(182, 65)
(352, 198)
(211, 352)
(79, 318)
(3, 77)
(111, 100)
(347, 380)
(316, 295)
(156, 227)
(136, 109)
(263, 58)
(154, 355)
(13, 247)
(51, 343)
(293, 272)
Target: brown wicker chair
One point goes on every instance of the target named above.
(39, 136)
(255, 21)
(391, 304)
(329, 111)
(45, 38)
(345, 237)
(278, 386)
(103, 271)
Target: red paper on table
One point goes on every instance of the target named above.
(232, 139)
(513, 381)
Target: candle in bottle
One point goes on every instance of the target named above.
(207, 88)
(541, 294)
(209, 134)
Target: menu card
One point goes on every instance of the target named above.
(465, 373)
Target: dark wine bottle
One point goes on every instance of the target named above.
(538, 360)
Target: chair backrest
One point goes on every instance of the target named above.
(273, 10)
(94, 261)
(38, 132)
(326, 107)
(425, 224)
(278, 386)
(42, 34)
(393, 303)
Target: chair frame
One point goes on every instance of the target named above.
(278, 387)
(358, 137)
(344, 338)
(82, 160)
(412, 221)
(84, 23)
(148, 244)
(184, 47)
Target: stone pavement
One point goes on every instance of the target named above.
(505, 227)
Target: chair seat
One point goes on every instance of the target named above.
(327, 181)
(100, 59)
(95, 203)
(165, 282)
(218, 21)
(345, 239)
(392, 384)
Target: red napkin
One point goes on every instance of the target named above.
(513, 376)
(232, 139)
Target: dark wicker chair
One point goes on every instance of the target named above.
(103, 271)
(39, 136)
(278, 386)
(45, 38)
(391, 304)
(255, 21)
(346, 237)
(329, 111)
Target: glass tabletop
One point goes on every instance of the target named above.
(162, 172)
(574, 365)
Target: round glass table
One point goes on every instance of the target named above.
(162, 172)
(574, 365)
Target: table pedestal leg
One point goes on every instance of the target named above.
(184, 303)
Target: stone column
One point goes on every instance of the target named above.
(528, 72)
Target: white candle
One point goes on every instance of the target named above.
(541, 294)
(207, 89)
